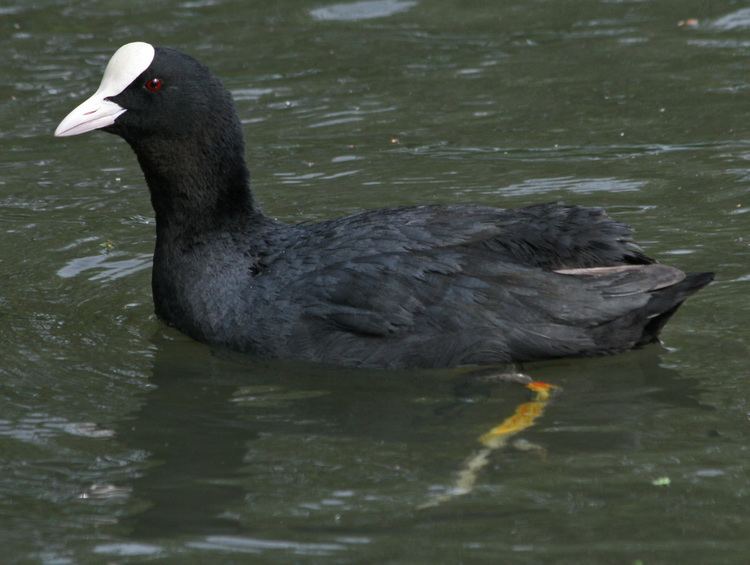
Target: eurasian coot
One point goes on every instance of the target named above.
(424, 286)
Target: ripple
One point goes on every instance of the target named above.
(679, 252)
(128, 549)
(199, 4)
(256, 545)
(254, 94)
(345, 158)
(336, 122)
(736, 20)
(559, 152)
(366, 10)
(305, 178)
(347, 116)
(105, 491)
(37, 428)
(272, 397)
(570, 184)
(108, 270)
(709, 473)
(720, 43)
(10, 10)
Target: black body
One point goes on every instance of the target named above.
(427, 286)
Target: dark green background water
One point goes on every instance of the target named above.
(121, 440)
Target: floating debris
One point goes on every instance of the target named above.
(689, 22)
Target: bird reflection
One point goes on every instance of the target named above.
(194, 446)
(197, 426)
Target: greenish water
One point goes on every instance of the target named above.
(123, 441)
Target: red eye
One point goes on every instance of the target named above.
(154, 85)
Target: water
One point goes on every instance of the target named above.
(123, 441)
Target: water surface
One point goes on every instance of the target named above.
(123, 441)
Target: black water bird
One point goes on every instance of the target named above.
(424, 286)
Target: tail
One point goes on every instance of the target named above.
(666, 301)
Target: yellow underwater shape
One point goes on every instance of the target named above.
(523, 418)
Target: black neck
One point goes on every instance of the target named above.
(197, 178)
(196, 187)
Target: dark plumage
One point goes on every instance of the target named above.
(426, 286)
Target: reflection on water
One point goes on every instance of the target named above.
(213, 445)
(194, 454)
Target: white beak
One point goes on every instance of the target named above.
(128, 62)
(94, 113)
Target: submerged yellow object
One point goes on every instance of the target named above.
(524, 417)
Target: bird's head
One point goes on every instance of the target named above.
(149, 91)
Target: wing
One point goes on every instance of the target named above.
(449, 285)
(452, 307)
(548, 236)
